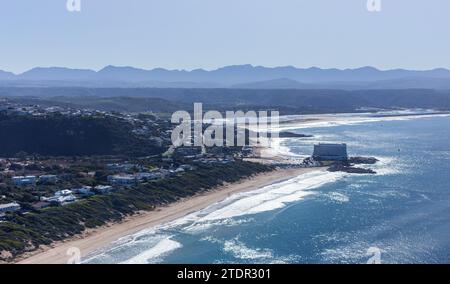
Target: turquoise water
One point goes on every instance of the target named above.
(403, 211)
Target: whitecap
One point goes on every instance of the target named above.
(241, 251)
(388, 166)
(154, 254)
(200, 226)
(338, 197)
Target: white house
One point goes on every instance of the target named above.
(10, 207)
(179, 170)
(62, 199)
(64, 192)
(104, 188)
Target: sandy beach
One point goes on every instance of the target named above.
(96, 239)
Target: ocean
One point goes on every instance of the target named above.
(399, 215)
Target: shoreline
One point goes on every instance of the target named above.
(320, 120)
(93, 240)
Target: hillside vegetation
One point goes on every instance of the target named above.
(59, 135)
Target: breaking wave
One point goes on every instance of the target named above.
(271, 197)
(141, 248)
(155, 253)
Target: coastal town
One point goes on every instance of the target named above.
(39, 182)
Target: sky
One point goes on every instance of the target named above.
(190, 34)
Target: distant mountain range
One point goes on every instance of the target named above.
(237, 76)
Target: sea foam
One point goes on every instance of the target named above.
(241, 251)
(153, 254)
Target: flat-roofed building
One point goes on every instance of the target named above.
(24, 180)
(48, 179)
(9, 207)
(122, 179)
(148, 176)
(330, 152)
(63, 192)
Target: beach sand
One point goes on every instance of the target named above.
(96, 239)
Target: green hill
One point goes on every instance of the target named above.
(59, 135)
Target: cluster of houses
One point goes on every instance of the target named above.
(213, 160)
(31, 180)
(122, 179)
(67, 196)
(117, 179)
(61, 197)
(12, 108)
(124, 167)
(16, 109)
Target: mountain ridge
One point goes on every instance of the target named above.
(229, 77)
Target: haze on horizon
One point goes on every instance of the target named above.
(190, 34)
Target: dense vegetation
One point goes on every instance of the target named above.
(59, 135)
(24, 232)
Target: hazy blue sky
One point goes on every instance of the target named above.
(189, 34)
